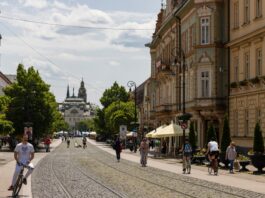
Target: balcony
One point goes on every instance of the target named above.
(163, 67)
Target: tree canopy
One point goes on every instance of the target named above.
(30, 102)
(113, 94)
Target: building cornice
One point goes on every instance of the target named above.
(247, 38)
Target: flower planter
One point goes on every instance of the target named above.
(258, 161)
(243, 164)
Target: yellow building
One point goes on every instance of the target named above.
(247, 69)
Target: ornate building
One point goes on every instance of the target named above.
(75, 108)
(247, 69)
(4, 81)
(189, 42)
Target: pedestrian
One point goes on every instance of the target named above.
(144, 148)
(164, 147)
(231, 156)
(118, 149)
(187, 153)
(68, 142)
(47, 143)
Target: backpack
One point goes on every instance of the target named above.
(187, 148)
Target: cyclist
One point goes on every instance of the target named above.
(84, 142)
(24, 153)
(187, 152)
(213, 153)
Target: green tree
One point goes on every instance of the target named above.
(258, 145)
(226, 139)
(119, 113)
(59, 123)
(6, 126)
(31, 101)
(113, 94)
(211, 133)
(192, 136)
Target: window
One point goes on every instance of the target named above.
(205, 89)
(205, 30)
(247, 67)
(236, 72)
(246, 122)
(236, 14)
(258, 8)
(246, 11)
(258, 115)
(235, 123)
(259, 62)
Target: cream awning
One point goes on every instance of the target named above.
(170, 131)
(153, 133)
(131, 134)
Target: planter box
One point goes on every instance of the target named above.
(258, 161)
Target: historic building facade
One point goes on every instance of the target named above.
(247, 69)
(188, 43)
(75, 108)
(4, 81)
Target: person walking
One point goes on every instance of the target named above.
(47, 143)
(118, 149)
(24, 153)
(187, 153)
(231, 156)
(144, 148)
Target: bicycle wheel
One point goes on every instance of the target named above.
(210, 169)
(17, 186)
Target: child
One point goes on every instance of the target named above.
(231, 156)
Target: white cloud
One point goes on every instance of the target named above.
(78, 52)
(34, 3)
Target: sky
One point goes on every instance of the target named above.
(107, 46)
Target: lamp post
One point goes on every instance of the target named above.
(182, 64)
(131, 84)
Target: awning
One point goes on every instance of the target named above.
(131, 134)
(153, 133)
(171, 131)
(93, 133)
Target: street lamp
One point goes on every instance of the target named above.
(181, 63)
(131, 84)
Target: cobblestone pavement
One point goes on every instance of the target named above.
(91, 172)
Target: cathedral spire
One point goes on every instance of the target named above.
(73, 93)
(68, 92)
(82, 91)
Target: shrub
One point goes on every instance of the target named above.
(258, 144)
(192, 136)
(226, 139)
(211, 133)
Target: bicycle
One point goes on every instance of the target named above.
(84, 145)
(213, 166)
(19, 181)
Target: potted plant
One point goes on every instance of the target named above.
(258, 157)
(243, 161)
(225, 142)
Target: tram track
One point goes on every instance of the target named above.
(171, 178)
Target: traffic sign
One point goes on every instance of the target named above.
(184, 125)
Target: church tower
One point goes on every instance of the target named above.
(68, 92)
(82, 91)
